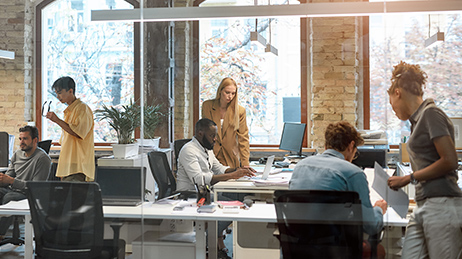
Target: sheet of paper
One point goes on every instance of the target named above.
(16, 205)
(398, 200)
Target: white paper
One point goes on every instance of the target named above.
(398, 200)
(16, 205)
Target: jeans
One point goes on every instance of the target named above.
(435, 229)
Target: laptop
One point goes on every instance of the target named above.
(266, 172)
(121, 186)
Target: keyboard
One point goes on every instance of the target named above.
(121, 202)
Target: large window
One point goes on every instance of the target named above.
(402, 37)
(268, 83)
(99, 56)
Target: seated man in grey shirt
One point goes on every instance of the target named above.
(30, 163)
(197, 164)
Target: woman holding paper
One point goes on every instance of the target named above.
(435, 227)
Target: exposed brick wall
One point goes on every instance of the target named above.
(183, 80)
(334, 73)
(16, 95)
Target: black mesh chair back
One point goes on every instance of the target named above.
(45, 145)
(162, 173)
(177, 145)
(67, 219)
(319, 224)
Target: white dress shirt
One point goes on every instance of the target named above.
(196, 165)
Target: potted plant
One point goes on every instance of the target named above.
(124, 119)
(153, 116)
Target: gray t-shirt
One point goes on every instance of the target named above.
(33, 168)
(428, 123)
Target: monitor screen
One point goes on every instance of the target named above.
(292, 137)
(368, 156)
(120, 181)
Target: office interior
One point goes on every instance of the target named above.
(329, 62)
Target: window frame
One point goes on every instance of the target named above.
(304, 63)
(38, 64)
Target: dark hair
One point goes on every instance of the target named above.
(340, 134)
(408, 77)
(65, 82)
(204, 124)
(33, 131)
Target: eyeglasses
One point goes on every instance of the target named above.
(356, 154)
(46, 108)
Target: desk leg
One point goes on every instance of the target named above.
(28, 246)
(212, 237)
(200, 240)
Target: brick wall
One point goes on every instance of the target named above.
(334, 73)
(16, 95)
(183, 80)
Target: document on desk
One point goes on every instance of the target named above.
(16, 205)
(398, 200)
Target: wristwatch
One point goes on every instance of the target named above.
(413, 180)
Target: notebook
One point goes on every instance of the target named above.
(121, 186)
(266, 171)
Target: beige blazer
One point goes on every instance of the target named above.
(232, 147)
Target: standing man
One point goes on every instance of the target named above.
(30, 163)
(197, 164)
(77, 157)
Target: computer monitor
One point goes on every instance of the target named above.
(292, 138)
(6, 148)
(368, 156)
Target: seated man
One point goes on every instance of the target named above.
(198, 165)
(333, 170)
(30, 163)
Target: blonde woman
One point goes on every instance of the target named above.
(232, 147)
(435, 227)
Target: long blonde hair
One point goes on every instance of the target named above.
(233, 108)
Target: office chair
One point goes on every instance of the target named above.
(177, 145)
(319, 224)
(162, 173)
(45, 145)
(68, 222)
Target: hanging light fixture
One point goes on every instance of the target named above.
(436, 38)
(256, 37)
(6, 54)
(270, 48)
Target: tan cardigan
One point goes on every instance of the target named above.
(231, 144)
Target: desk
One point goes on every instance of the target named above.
(257, 213)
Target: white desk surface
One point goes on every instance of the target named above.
(148, 210)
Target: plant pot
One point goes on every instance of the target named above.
(152, 144)
(122, 151)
